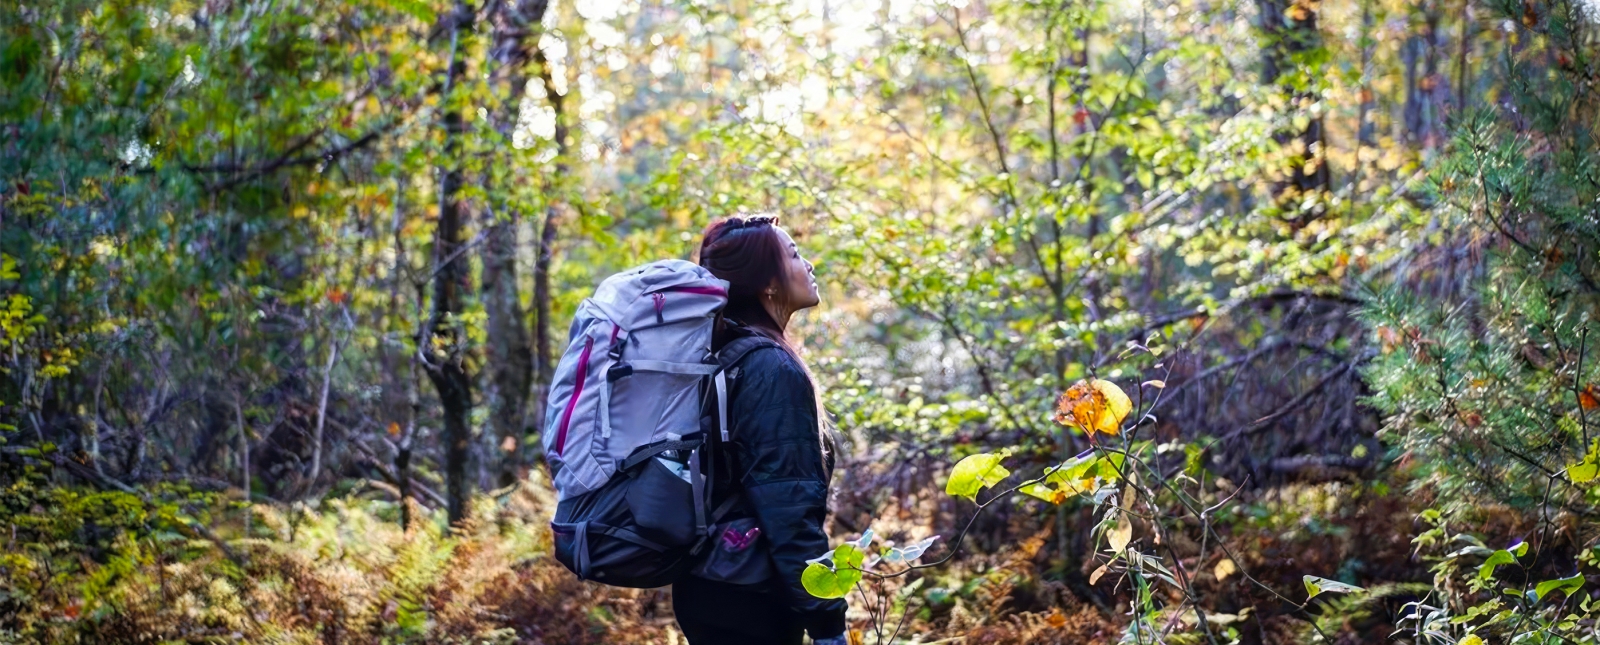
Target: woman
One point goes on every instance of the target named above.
(775, 457)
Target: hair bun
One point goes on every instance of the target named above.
(748, 221)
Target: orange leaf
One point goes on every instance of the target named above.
(1389, 338)
(1079, 406)
(1093, 406)
(394, 429)
(1589, 397)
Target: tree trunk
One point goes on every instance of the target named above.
(322, 410)
(1424, 86)
(510, 357)
(1437, 91)
(400, 400)
(445, 344)
(1366, 131)
(548, 233)
(244, 457)
(1290, 31)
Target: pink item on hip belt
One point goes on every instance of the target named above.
(734, 541)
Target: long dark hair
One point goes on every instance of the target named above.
(747, 252)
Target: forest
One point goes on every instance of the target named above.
(1143, 321)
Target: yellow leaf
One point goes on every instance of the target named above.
(1118, 405)
(1224, 569)
(1094, 406)
(1120, 535)
(1095, 577)
(1470, 639)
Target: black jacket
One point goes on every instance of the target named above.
(776, 461)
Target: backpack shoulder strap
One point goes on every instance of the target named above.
(726, 358)
(736, 349)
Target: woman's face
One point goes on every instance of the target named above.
(798, 285)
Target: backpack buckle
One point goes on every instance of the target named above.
(620, 370)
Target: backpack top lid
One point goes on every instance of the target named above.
(638, 352)
(621, 297)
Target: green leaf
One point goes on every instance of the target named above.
(822, 582)
(1041, 491)
(1495, 559)
(1586, 470)
(1565, 585)
(416, 9)
(1315, 586)
(838, 576)
(1583, 472)
(1071, 470)
(975, 473)
(1109, 467)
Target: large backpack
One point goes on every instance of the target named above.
(628, 424)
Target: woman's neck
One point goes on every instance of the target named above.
(780, 314)
(758, 318)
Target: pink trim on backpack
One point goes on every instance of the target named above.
(702, 290)
(583, 373)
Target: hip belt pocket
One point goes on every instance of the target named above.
(738, 554)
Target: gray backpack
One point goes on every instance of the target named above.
(626, 429)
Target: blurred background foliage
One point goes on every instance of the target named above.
(281, 282)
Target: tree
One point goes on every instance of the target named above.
(443, 346)
(1487, 368)
(511, 359)
(1291, 54)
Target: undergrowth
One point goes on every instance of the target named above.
(85, 566)
(88, 566)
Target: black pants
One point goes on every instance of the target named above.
(718, 613)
